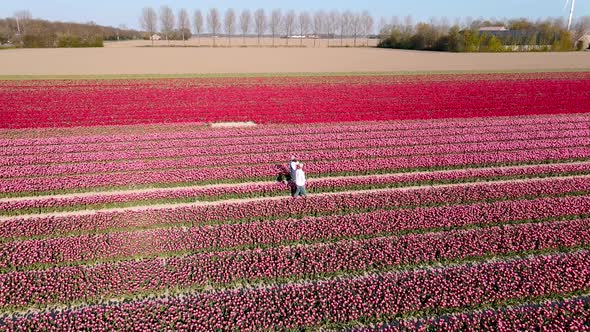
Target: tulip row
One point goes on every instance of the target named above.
(338, 301)
(349, 151)
(116, 245)
(35, 153)
(101, 201)
(568, 315)
(175, 178)
(304, 103)
(289, 208)
(199, 136)
(85, 283)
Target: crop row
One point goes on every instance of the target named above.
(41, 205)
(336, 301)
(568, 315)
(83, 283)
(252, 142)
(115, 245)
(67, 107)
(439, 127)
(204, 157)
(244, 173)
(289, 208)
(249, 80)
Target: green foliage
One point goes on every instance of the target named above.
(75, 41)
(522, 35)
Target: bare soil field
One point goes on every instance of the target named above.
(194, 60)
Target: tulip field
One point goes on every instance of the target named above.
(436, 202)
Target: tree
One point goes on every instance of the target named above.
(344, 25)
(22, 18)
(184, 24)
(318, 25)
(149, 21)
(288, 24)
(260, 22)
(368, 24)
(198, 24)
(304, 23)
(581, 27)
(230, 23)
(356, 27)
(275, 23)
(332, 24)
(245, 19)
(167, 21)
(214, 23)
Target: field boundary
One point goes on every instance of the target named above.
(279, 74)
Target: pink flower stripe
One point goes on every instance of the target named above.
(21, 254)
(572, 315)
(313, 185)
(262, 210)
(320, 168)
(207, 157)
(68, 284)
(268, 135)
(337, 301)
(439, 127)
(307, 102)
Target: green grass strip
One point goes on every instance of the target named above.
(284, 74)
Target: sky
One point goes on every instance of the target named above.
(127, 12)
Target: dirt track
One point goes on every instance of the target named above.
(192, 60)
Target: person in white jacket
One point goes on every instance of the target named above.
(293, 167)
(300, 182)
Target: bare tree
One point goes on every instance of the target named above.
(260, 22)
(275, 23)
(167, 21)
(149, 21)
(288, 24)
(355, 27)
(245, 20)
(368, 24)
(332, 24)
(198, 24)
(229, 23)
(23, 18)
(304, 24)
(581, 27)
(318, 25)
(344, 26)
(214, 23)
(408, 25)
(184, 23)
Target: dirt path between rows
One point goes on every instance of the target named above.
(257, 199)
(244, 184)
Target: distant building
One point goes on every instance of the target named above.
(585, 40)
(156, 37)
(493, 29)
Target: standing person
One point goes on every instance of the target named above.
(293, 167)
(300, 182)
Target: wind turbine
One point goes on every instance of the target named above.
(569, 22)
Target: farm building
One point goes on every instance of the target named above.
(585, 40)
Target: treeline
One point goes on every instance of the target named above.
(276, 23)
(24, 31)
(484, 35)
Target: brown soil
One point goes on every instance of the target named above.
(194, 60)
